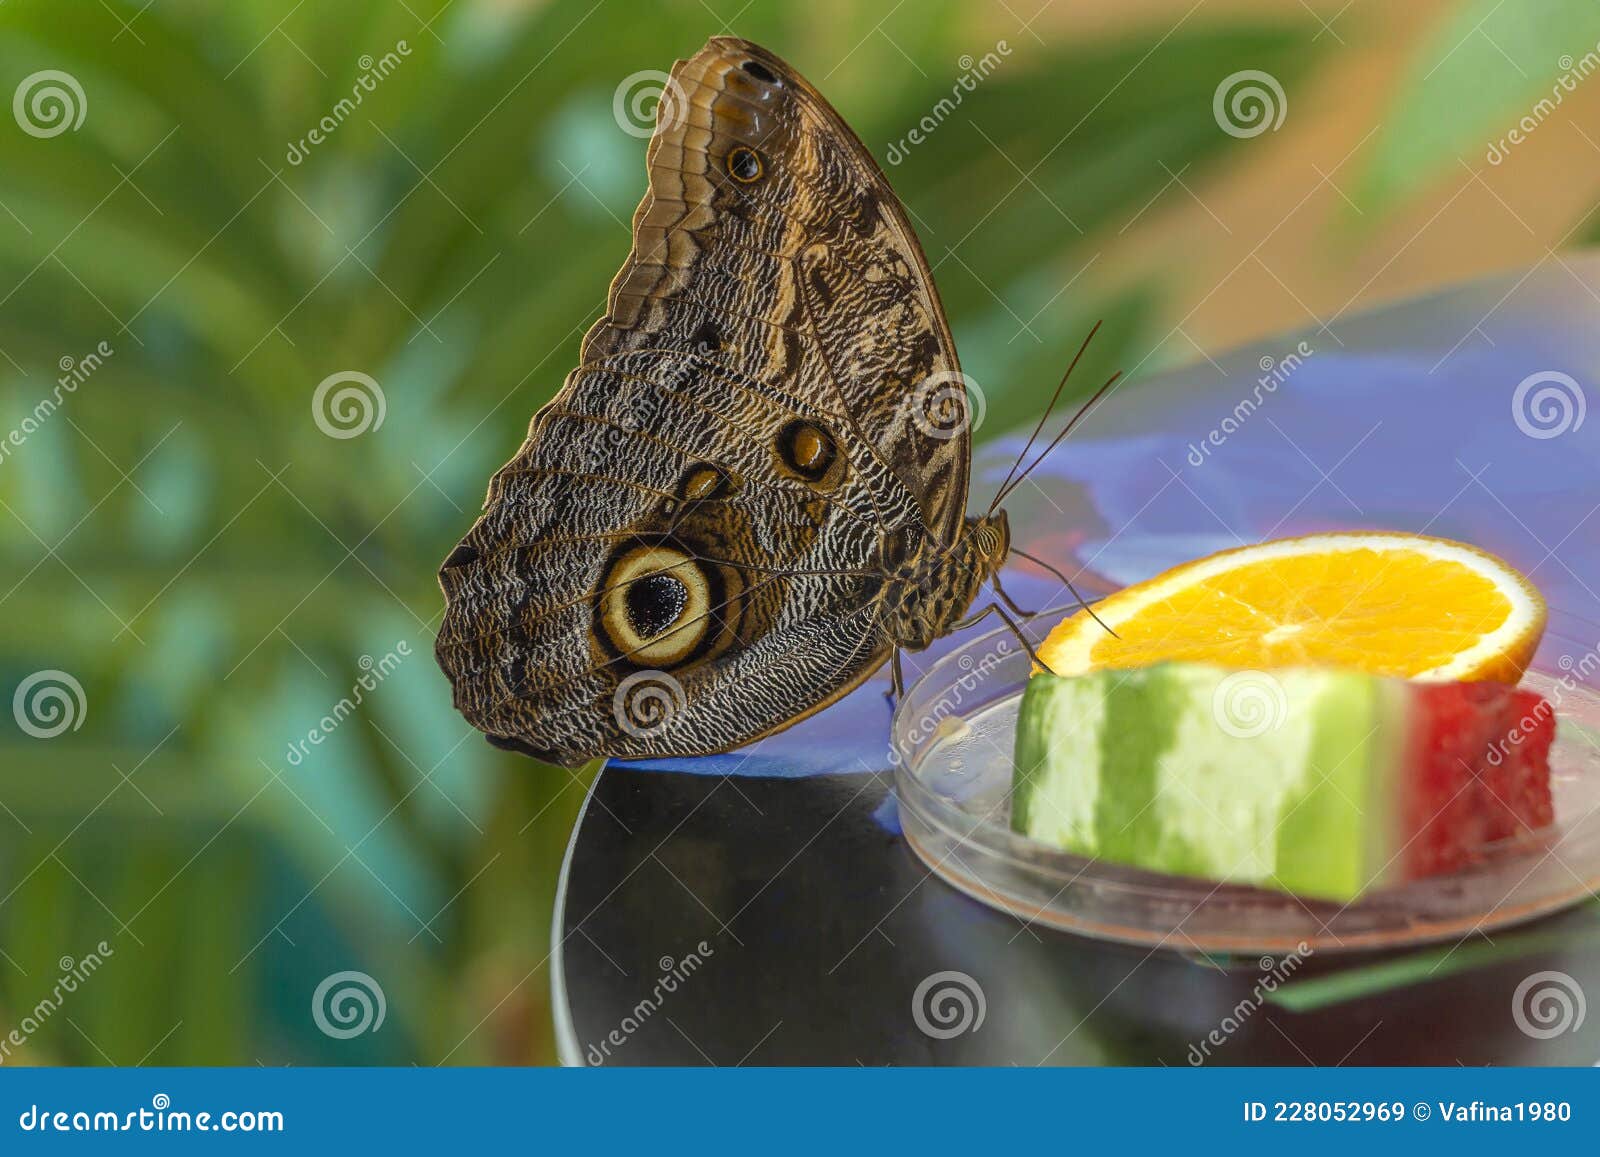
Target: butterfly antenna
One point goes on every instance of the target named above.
(1045, 417)
(1005, 490)
(1082, 602)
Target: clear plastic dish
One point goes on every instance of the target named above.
(953, 740)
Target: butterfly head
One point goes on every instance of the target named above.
(990, 538)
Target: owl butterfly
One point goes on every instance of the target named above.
(751, 492)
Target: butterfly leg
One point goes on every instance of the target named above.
(974, 619)
(897, 679)
(1009, 601)
(997, 609)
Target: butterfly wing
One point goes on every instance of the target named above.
(687, 551)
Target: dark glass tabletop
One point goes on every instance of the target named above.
(814, 927)
(762, 907)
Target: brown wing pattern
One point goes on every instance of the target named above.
(687, 552)
(815, 256)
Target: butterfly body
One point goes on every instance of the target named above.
(750, 494)
(930, 590)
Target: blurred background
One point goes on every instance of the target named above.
(234, 771)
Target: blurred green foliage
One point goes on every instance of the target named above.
(182, 539)
(1479, 72)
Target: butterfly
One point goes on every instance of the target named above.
(751, 492)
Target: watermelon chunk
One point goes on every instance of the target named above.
(1314, 781)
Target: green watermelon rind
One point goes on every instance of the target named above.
(1135, 767)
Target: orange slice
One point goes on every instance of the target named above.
(1402, 605)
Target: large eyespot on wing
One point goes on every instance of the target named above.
(659, 605)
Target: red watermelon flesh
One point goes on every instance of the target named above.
(1517, 769)
(1479, 760)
